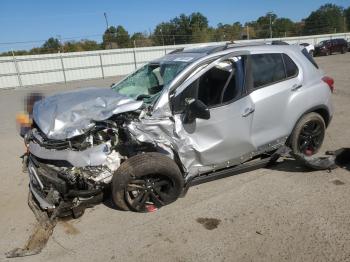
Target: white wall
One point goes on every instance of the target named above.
(31, 70)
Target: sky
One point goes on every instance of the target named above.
(35, 21)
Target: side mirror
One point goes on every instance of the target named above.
(195, 109)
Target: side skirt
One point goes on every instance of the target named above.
(231, 171)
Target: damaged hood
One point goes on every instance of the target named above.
(69, 114)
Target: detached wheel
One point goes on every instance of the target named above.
(146, 182)
(308, 134)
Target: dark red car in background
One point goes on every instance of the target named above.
(327, 47)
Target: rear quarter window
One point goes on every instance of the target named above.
(291, 67)
(267, 69)
(309, 57)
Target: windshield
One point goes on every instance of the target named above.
(147, 83)
(324, 42)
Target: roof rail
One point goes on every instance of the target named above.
(233, 44)
(176, 51)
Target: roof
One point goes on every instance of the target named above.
(192, 54)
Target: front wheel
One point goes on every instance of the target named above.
(146, 182)
(308, 134)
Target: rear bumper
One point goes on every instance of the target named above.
(321, 51)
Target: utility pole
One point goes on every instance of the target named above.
(247, 32)
(161, 32)
(61, 44)
(270, 14)
(107, 27)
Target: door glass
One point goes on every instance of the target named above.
(218, 86)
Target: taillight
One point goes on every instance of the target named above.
(329, 81)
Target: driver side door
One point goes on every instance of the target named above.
(225, 138)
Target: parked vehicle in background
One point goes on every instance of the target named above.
(348, 45)
(309, 47)
(328, 47)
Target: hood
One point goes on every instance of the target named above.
(69, 114)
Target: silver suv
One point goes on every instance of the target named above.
(189, 117)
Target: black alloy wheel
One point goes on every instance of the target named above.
(311, 137)
(146, 182)
(146, 194)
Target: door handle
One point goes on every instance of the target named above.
(296, 87)
(248, 111)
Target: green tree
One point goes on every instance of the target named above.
(198, 28)
(116, 37)
(263, 25)
(110, 38)
(51, 45)
(122, 37)
(164, 33)
(89, 45)
(182, 29)
(347, 18)
(140, 39)
(283, 27)
(226, 32)
(327, 19)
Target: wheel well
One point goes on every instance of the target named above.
(324, 113)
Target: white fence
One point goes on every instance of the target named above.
(21, 71)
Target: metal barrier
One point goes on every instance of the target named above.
(21, 71)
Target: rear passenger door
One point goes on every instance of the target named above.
(275, 77)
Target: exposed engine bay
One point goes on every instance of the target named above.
(71, 174)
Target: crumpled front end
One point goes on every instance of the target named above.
(68, 175)
(78, 140)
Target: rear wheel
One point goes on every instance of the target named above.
(146, 182)
(308, 134)
(343, 50)
(311, 52)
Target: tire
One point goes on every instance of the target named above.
(308, 134)
(343, 50)
(146, 182)
(311, 52)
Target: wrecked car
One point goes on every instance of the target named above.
(190, 117)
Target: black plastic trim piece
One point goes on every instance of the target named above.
(245, 167)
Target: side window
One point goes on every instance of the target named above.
(267, 69)
(221, 84)
(291, 67)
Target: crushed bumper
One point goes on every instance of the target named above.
(52, 194)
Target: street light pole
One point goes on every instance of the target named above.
(107, 27)
(106, 19)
